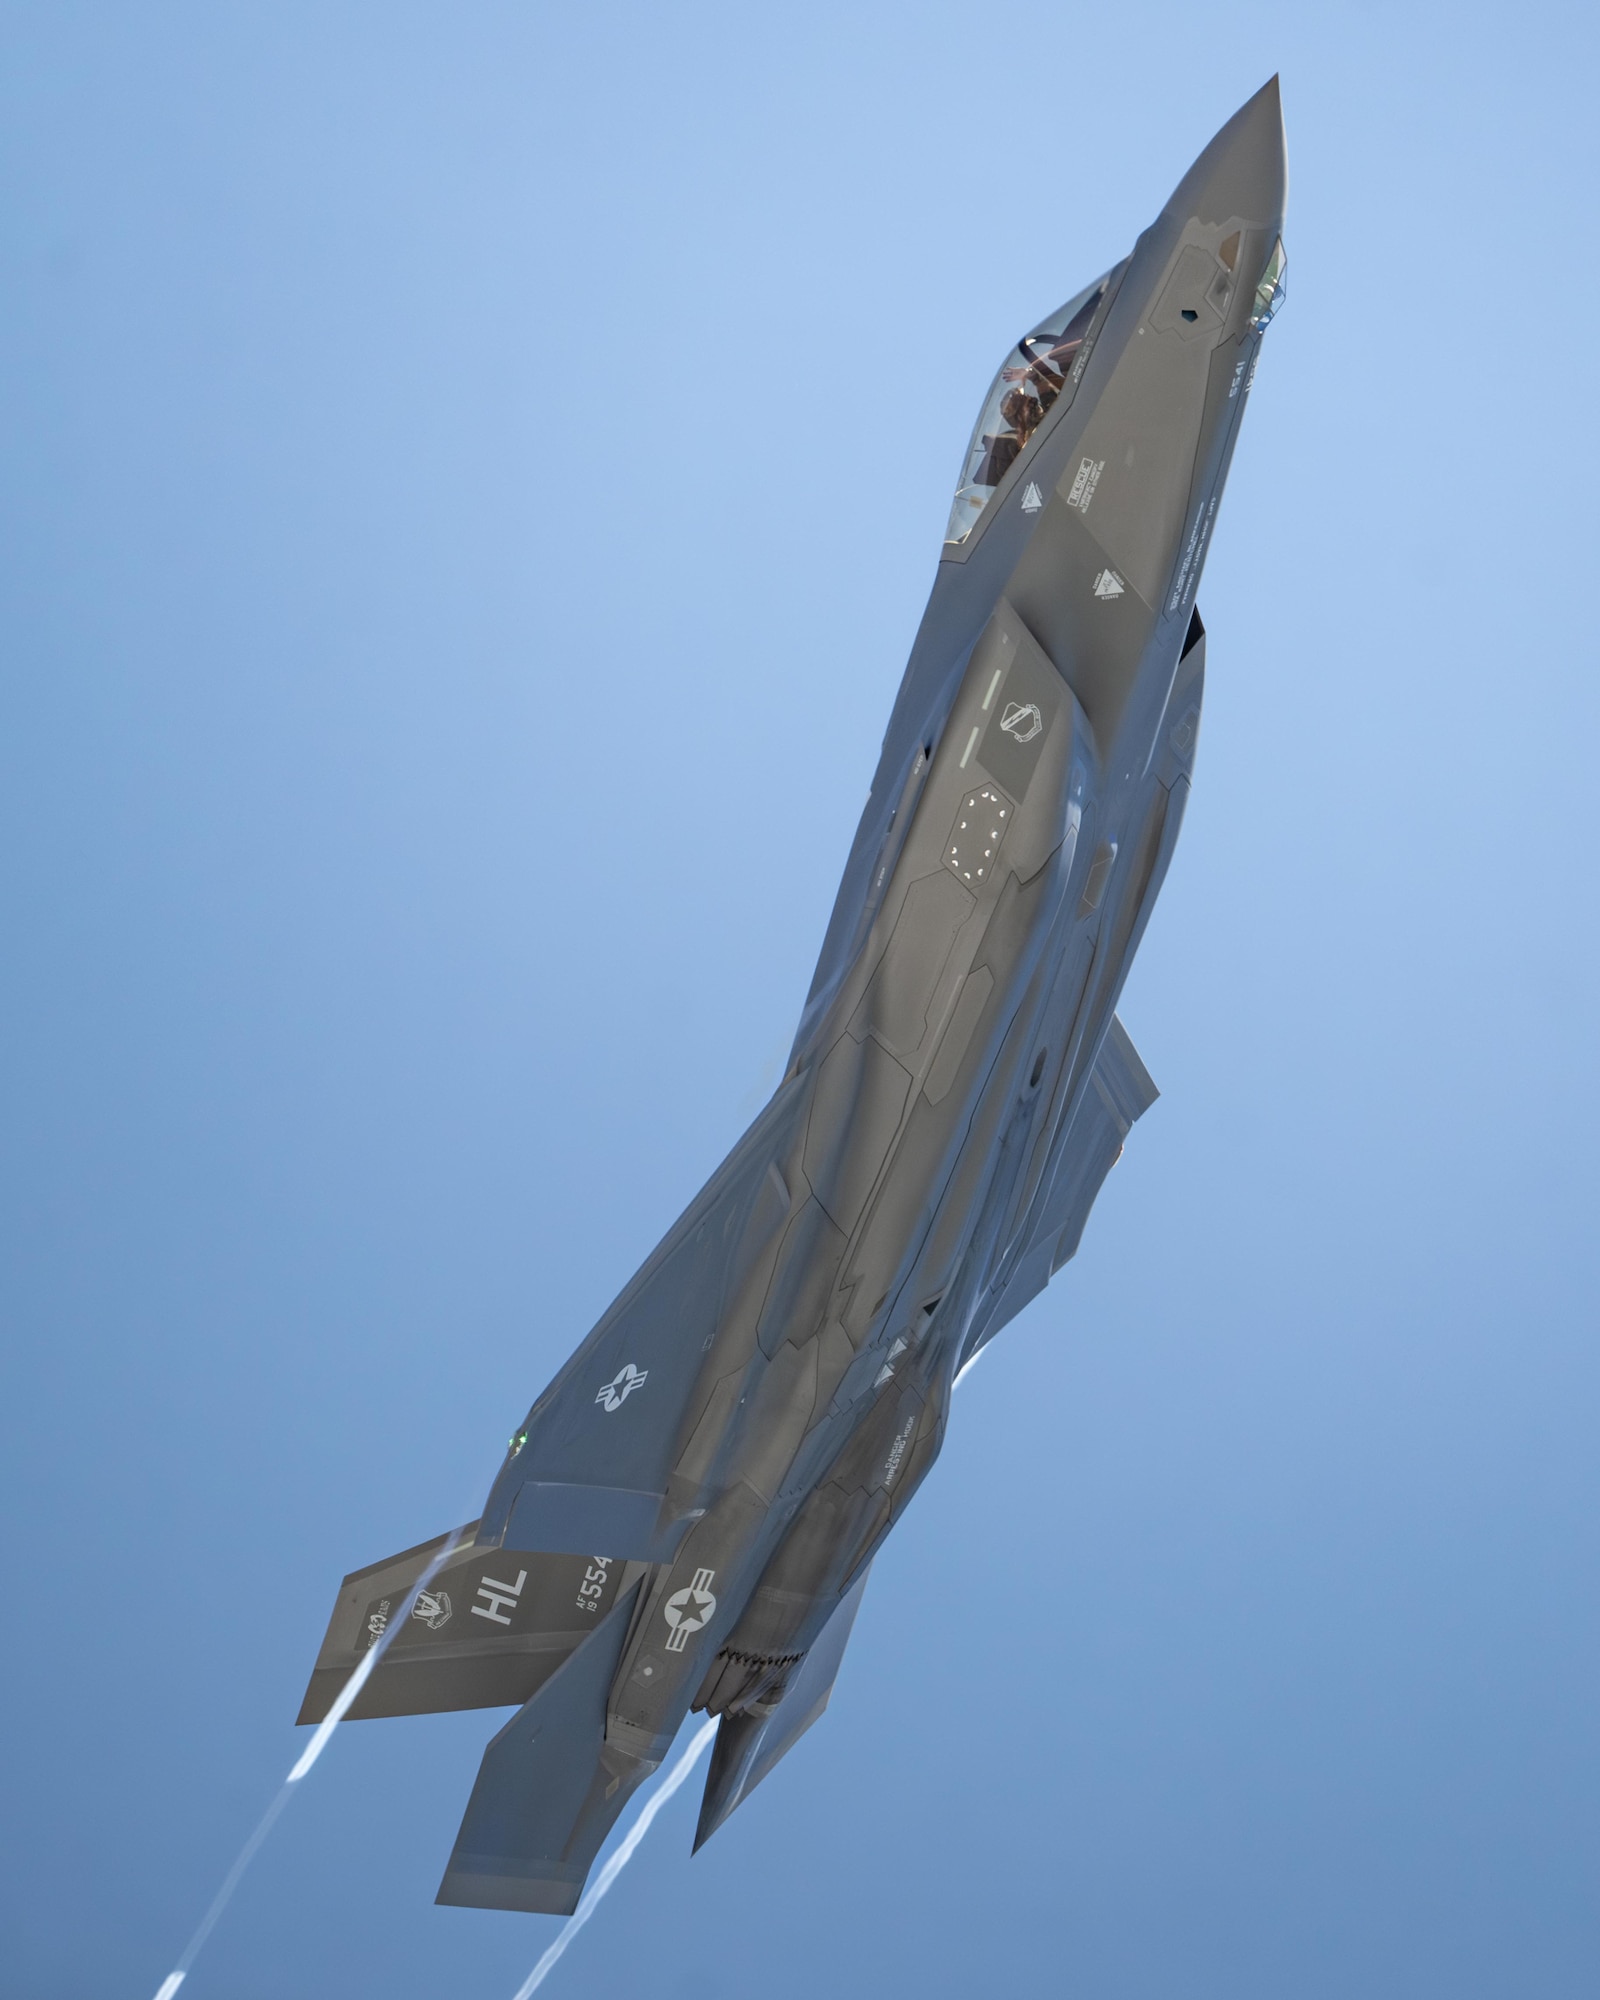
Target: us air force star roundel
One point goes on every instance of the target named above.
(616, 1392)
(687, 1610)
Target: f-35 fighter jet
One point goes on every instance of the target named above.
(687, 1517)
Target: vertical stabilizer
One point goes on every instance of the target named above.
(748, 1745)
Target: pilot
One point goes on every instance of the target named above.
(1023, 411)
(1047, 377)
(998, 453)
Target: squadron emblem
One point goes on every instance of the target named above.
(433, 1608)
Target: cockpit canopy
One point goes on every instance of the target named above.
(1034, 374)
(1031, 378)
(1270, 292)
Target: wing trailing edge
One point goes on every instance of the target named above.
(590, 1468)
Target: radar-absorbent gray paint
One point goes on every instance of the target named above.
(686, 1519)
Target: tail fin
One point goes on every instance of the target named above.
(548, 1791)
(488, 1632)
(749, 1744)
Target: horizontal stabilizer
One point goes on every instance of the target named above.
(487, 1632)
(543, 1801)
(749, 1744)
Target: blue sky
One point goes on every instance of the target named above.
(469, 480)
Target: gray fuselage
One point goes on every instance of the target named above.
(687, 1516)
(1024, 810)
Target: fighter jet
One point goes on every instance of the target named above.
(687, 1517)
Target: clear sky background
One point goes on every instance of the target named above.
(470, 477)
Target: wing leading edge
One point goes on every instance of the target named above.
(1120, 1092)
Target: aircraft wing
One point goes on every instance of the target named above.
(589, 1471)
(1120, 1092)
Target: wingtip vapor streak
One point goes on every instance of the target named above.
(750, 1418)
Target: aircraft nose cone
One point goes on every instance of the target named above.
(1244, 171)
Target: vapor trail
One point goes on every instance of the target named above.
(303, 1764)
(614, 1867)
